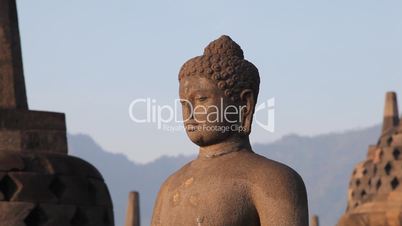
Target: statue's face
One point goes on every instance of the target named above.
(209, 116)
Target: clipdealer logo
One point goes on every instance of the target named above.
(169, 117)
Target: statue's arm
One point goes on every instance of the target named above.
(158, 205)
(281, 200)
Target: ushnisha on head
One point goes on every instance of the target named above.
(220, 77)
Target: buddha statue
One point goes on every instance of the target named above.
(227, 184)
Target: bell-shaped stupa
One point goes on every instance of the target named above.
(40, 185)
(375, 188)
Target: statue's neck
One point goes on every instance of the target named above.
(232, 144)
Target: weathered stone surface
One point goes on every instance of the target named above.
(32, 187)
(44, 141)
(99, 193)
(32, 131)
(133, 210)
(10, 140)
(14, 213)
(72, 166)
(391, 117)
(12, 87)
(10, 161)
(397, 139)
(17, 119)
(96, 216)
(35, 162)
(315, 221)
(76, 191)
(58, 215)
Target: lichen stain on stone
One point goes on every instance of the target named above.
(176, 198)
(194, 200)
(189, 182)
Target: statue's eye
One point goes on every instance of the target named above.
(202, 98)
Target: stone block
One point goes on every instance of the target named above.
(397, 140)
(75, 192)
(14, 213)
(72, 166)
(99, 193)
(44, 141)
(10, 140)
(16, 119)
(32, 187)
(10, 161)
(58, 215)
(97, 216)
(36, 162)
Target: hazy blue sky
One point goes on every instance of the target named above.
(327, 63)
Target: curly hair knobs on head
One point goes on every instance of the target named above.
(223, 62)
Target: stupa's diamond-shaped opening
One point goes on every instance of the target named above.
(378, 185)
(8, 187)
(363, 193)
(396, 153)
(389, 141)
(394, 183)
(79, 218)
(37, 217)
(57, 187)
(388, 168)
(358, 182)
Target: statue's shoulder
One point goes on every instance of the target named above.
(177, 176)
(268, 173)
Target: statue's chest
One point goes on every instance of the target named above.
(206, 201)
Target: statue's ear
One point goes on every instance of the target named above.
(247, 110)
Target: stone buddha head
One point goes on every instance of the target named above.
(218, 92)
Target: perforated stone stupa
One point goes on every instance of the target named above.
(375, 189)
(40, 185)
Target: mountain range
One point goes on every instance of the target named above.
(325, 163)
